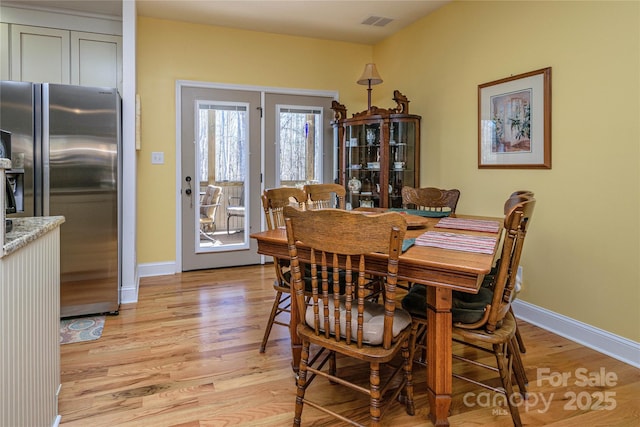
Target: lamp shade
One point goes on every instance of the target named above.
(370, 76)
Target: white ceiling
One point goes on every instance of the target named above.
(328, 19)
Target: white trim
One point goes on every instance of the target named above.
(267, 89)
(178, 166)
(128, 295)
(129, 264)
(157, 269)
(619, 348)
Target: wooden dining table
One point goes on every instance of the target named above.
(442, 270)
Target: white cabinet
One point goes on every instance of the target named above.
(96, 60)
(4, 51)
(30, 324)
(39, 54)
(52, 55)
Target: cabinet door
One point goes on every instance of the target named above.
(4, 51)
(96, 60)
(403, 158)
(363, 165)
(39, 54)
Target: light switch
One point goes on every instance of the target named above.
(157, 158)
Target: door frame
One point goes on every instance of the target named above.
(178, 163)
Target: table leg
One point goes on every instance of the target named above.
(439, 354)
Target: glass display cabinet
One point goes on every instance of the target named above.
(378, 152)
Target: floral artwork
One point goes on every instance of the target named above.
(511, 115)
(514, 121)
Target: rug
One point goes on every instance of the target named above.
(81, 329)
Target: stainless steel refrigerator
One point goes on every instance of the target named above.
(66, 155)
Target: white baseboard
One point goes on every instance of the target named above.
(128, 295)
(157, 269)
(129, 292)
(620, 348)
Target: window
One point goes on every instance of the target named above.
(300, 143)
(222, 140)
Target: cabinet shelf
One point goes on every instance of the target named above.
(380, 136)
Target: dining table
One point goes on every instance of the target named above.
(438, 257)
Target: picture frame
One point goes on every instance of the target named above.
(514, 122)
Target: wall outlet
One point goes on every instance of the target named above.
(157, 158)
(519, 274)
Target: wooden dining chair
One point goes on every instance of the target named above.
(484, 321)
(322, 196)
(514, 198)
(273, 202)
(348, 324)
(430, 198)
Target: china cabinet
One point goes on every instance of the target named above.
(378, 152)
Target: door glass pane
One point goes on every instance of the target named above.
(300, 143)
(222, 139)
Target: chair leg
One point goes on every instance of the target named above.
(374, 402)
(518, 368)
(302, 383)
(419, 343)
(274, 312)
(504, 367)
(408, 375)
(521, 346)
(228, 218)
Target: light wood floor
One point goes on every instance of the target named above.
(187, 355)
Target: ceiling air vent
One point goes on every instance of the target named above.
(376, 21)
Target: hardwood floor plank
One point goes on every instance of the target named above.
(186, 355)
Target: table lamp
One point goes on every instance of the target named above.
(369, 77)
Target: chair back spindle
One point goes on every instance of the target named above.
(338, 240)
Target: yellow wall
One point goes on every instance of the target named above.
(168, 51)
(573, 264)
(582, 254)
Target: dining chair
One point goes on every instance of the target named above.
(430, 198)
(322, 196)
(484, 321)
(514, 198)
(208, 209)
(348, 324)
(235, 207)
(326, 196)
(273, 202)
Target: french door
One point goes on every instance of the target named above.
(233, 144)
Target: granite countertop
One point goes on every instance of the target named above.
(26, 230)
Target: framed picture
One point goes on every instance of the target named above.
(514, 122)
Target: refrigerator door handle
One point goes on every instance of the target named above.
(45, 150)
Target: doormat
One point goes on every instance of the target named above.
(81, 329)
